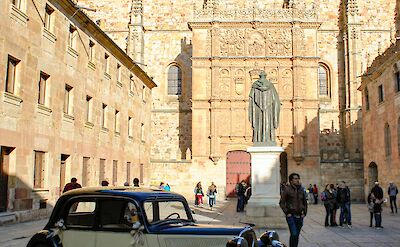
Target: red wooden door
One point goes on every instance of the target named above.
(238, 168)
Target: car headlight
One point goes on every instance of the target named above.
(268, 237)
(237, 242)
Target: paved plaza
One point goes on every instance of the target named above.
(313, 233)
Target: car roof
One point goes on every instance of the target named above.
(140, 194)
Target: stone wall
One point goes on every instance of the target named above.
(350, 172)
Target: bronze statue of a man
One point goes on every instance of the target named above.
(264, 108)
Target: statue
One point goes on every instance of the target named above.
(264, 108)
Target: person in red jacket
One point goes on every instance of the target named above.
(73, 185)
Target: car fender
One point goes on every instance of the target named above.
(45, 237)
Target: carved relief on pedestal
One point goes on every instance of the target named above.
(279, 42)
(224, 82)
(239, 81)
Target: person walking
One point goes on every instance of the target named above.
(294, 205)
(198, 193)
(72, 185)
(167, 187)
(315, 193)
(343, 199)
(392, 192)
(310, 195)
(247, 194)
(211, 193)
(240, 191)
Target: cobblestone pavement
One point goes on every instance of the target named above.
(313, 233)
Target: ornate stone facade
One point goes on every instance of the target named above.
(229, 41)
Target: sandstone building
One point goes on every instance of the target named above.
(72, 104)
(204, 55)
(381, 116)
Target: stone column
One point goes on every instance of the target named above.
(263, 207)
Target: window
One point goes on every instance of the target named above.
(323, 80)
(38, 178)
(119, 73)
(115, 172)
(397, 81)
(144, 93)
(91, 51)
(89, 103)
(174, 80)
(128, 171)
(167, 210)
(72, 37)
(17, 3)
(366, 99)
(388, 148)
(42, 88)
(104, 117)
(131, 83)
(85, 171)
(142, 132)
(380, 93)
(11, 74)
(48, 18)
(398, 136)
(68, 99)
(106, 63)
(130, 127)
(141, 172)
(80, 214)
(102, 170)
(117, 121)
(117, 214)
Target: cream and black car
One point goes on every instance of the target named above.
(129, 216)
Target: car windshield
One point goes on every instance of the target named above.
(165, 211)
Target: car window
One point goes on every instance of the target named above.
(118, 214)
(166, 210)
(80, 214)
(148, 208)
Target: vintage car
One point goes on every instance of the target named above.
(132, 216)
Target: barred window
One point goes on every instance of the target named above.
(388, 147)
(323, 80)
(366, 99)
(398, 136)
(174, 80)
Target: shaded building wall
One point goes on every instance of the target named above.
(71, 138)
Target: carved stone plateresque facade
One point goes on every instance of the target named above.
(227, 44)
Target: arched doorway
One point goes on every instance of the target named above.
(372, 174)
(284, 167)
(238, 168)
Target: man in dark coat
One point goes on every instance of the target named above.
(343, 198)
(72, 185)
(294, 204)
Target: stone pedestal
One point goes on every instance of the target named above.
(263, 207)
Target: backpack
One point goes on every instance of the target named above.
(323, 196)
